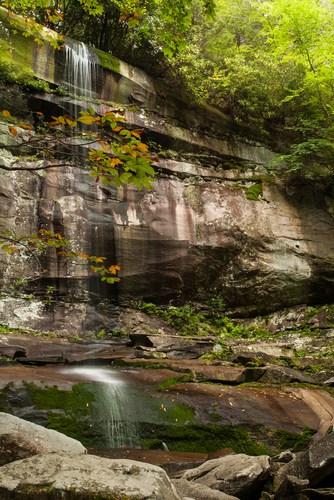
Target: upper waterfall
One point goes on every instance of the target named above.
(81, 69)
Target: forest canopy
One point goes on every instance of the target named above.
(267, 63)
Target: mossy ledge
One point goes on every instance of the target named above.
(75, 413)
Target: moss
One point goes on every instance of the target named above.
(4, 329)
(71, 412)
(200, 438)
(212, 437)
(170, 382)
(254, 192)
(46, 398)
(22, 60)
(108, 61)
(296, 442)
(147, 365)
(215, 417)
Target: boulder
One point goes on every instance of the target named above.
(83, 477)
(173, 346)
(251, 358)
(20, 439)
(239, 475)
(329, 381)
(228, 374)
(312, 466)
(284, 375)
(199, 491)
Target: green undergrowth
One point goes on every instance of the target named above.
(7, 330)
(25, 78)
(191, 321)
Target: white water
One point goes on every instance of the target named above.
(81, 71)
(116, 409)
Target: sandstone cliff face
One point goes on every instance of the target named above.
(215, 224)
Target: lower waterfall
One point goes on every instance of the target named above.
(116, 412)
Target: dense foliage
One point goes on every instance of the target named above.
(269, 64)
(133, 30)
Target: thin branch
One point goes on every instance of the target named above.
(34, 169)
(24, 245)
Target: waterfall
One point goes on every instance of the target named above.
(81, 71)
(116, 412)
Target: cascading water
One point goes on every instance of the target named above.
(116, 410)
(81, 71)
(116, 414)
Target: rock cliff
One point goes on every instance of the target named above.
(215, 224)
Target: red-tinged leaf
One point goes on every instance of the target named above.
(12, 130)
(117, 129)
(39, 113)
(53, 124)
(6, 113)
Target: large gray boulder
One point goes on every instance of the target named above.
(199, 491)
(239, 475)
(311, 467)
(20, 439)
(83, 477)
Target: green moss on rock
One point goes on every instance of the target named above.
(108, 61)
(254, 192)
(204, 438)
(296, 442)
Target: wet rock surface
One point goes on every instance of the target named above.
(265, 400)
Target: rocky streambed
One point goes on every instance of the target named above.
(239, 408)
